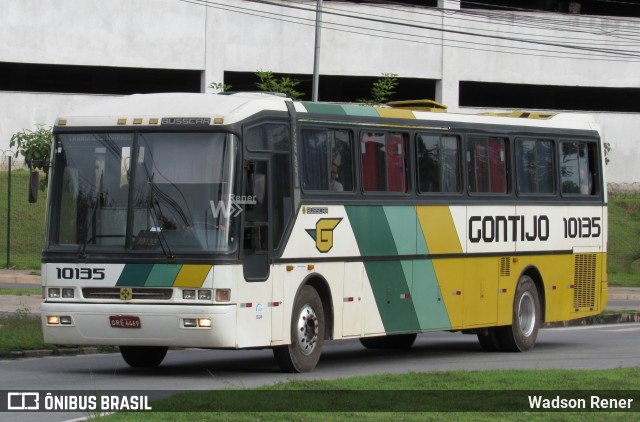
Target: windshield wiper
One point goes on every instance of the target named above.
(158, 226)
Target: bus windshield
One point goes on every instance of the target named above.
(152, 192)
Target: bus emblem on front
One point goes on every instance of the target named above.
(125, 293)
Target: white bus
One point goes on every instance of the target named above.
(253, 221)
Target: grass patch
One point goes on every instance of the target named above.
(455, 388)
(20, 291)
(27, 222)
(624, 279)
(21, 331)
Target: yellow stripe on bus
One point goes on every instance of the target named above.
(438, 229)
(192, 276)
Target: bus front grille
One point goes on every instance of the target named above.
(137, 293)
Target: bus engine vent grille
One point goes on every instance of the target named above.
(584, 281)
(505, 266)
(113, 293)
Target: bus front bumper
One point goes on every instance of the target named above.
(139, 325)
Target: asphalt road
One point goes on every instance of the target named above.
(589, 347)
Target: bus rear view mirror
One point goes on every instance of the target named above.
(34, 184)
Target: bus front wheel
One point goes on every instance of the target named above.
(143, 356)
(521, 335)
(307, 334)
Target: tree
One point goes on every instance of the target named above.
(35, 147)
(382, 89)
(284, 85)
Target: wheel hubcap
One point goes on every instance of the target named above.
(526, 314)
(307, 329)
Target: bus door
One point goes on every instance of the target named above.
(268, 212)
(256, 243)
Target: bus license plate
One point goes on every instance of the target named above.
(125, 321)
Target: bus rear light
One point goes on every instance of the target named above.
(223, 295)
(54, 293)
(68, 293)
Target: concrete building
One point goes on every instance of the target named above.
(59, 54)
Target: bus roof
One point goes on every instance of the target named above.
(215, 109)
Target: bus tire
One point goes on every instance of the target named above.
(521, 335)
(490, 340)
(396, 341)
(307, 334)
(143, 356)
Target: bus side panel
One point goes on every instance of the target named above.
(254, 311)
(442, 237)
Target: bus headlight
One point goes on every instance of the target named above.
(204, 294)
(189, 294)
(54, 293)
(68, 293)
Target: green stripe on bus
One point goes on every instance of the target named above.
(403, 223)
(371, 229)
(163, 275)
(391, 291)
(425, 290)
(356, 110)
(134, 274)
(324, 108)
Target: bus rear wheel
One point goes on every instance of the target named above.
(143, 356)
(307, 334)
(521, 335)
(396, 341)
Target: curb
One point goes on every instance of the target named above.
(602, 319)
(73, 351)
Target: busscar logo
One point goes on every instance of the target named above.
(323, 233)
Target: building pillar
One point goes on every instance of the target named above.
(447, 87)
(214, 51)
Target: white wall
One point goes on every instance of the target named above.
(20, 110)
(241, 36)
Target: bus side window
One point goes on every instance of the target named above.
(384, 161)
(577, 168)
(438, 163)
(327, 160)
(487, 164)
(535, 166)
